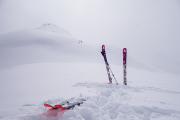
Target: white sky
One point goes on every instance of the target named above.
(148, 28)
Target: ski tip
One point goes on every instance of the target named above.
(124, 50)
(103, 47)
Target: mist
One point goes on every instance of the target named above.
(148, 28)
(50, 51)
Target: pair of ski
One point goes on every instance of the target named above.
(65, 105)
(108, 69)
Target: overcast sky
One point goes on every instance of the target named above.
(148, 28)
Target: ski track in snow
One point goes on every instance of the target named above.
(112, 102)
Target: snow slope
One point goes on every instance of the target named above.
(43, 62)
(47, 64)
(29, 46)
(149, 29)
(111, 102)
(36, 64)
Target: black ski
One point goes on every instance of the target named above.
(103, 52)
(108, 69)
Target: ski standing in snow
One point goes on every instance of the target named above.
(109, 71)
(124, 65)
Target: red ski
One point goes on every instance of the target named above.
(124, 65)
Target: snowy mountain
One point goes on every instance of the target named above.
(50, 52)
(43, 44)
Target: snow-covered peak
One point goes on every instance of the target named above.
(49, 27)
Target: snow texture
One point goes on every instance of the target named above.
(46, 64)
(112, 102)
(41, 62)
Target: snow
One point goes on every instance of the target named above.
(116, 102)
(45, 63)
(40, 65)
(38, 82)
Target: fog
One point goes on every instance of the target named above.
(148, 28)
